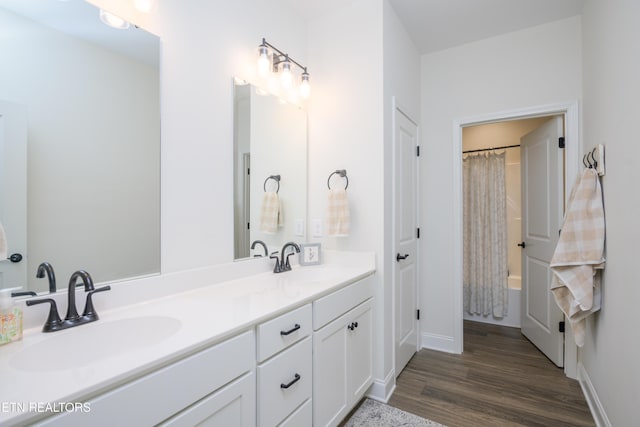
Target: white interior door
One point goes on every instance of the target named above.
(13, 192)
(542, 184)
(405, 239)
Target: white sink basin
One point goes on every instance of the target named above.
(81, 345)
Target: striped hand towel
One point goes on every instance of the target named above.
(579, 255)
(338, 219)
(270, 215)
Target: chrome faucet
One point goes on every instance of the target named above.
(264, 246)
(284, 262)
(46, 268)
(54, 323)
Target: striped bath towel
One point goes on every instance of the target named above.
(338, 218)
(271, 213)
(579, 257)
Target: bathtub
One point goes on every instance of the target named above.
(513, 317)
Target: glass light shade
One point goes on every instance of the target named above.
(145, 6)
(263, 61)
(305, 87)
(113, 21)
(286, 77)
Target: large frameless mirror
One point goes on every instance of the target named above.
(91, 165)
(270, 164)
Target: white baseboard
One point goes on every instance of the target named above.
(438, 342)
(381, 390)
(597, 410)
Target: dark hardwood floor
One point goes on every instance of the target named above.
(501, 379)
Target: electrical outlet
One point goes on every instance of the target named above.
(316, 224)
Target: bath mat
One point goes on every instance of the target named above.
(375, 414)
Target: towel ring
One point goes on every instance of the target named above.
(276, 178)
(342, 173)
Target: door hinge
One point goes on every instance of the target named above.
(418, 150)
(561, 143)
(418, 314)
(248, 226)
(418, 233)
(248, 171)
(561, 327)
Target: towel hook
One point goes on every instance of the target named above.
(276, 178)
(342, 173)
(595, 162)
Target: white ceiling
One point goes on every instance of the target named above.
(440, 24)
(81, 19)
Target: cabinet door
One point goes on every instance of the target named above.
(360, 342)
(233, 405)
(330, 364)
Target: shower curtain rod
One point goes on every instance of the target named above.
(490, 149)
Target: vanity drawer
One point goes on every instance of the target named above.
(336, 304)
(302, 417)
(275, 401)
(161, 394)
(281, 332)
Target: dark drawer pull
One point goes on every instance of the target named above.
(293, 381)
(290, 331)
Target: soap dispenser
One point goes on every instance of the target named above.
(10, 318)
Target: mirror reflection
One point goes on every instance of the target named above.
(91, 165)
(270, 163)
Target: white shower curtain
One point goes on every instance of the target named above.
(485, 234)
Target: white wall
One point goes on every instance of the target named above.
(611, 88)
(532, 67)
(89, 109)
(346, 132)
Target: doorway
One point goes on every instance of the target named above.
(479, 141)
(569, 112)
(513, 188)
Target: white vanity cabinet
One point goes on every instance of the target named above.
(306, 366)
(285, 369)
(215, 387)
(342, 351)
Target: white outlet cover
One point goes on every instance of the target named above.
(316, 225)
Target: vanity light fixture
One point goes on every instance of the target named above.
(280, 62)
(305, 87)
(113, 21)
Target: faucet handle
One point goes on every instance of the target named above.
(53, 322)
(287, 265)
(276, 268)
(89, 311)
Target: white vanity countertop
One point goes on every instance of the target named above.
(52, 367)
